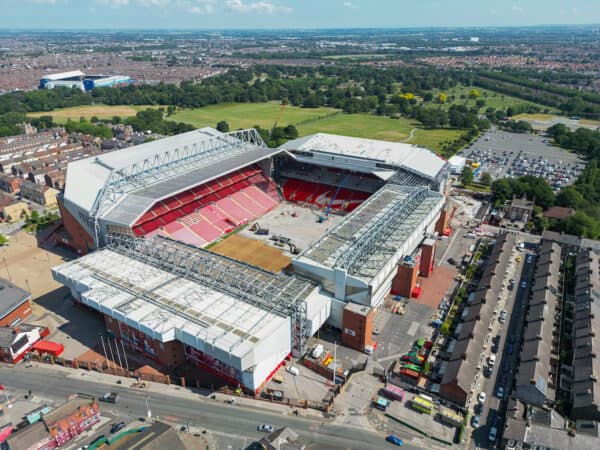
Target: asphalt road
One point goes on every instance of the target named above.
(194, 410)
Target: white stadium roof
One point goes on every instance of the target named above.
(168, 307)
(86, 177)
(415, 159)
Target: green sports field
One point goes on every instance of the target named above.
(100, 111)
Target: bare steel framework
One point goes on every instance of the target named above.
(166, 165)
(277, 293)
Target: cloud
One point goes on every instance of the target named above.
(349, 5)
(201, 7)
(517, 8)
(154, 3)
(258, 7)
(114, 3)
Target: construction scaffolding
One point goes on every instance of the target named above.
(367, 239)
(275, 293)
(164, 166)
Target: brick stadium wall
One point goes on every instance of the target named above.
(80, 238)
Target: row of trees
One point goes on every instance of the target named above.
(584, 141)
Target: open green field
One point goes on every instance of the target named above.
(100, 111)
(316, 120)
(361, 125)
(246, 115)
(492, 99)
(434, 139)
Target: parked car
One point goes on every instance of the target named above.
(266, 428)
(523, 284)
(293, 370)
(392, 438)
(492, 360)
(503, 315)
(493, 434)
(109, 397)
(509, 349)
(231, 401)
(500, 392)
(116, 427)
(481, 397)
(475, 421)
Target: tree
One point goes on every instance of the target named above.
(480, 103)
(223, 126)
(467, 176)
(94, 119)
(170, 110)
(442, 98)
(569, 197)
(290, 132)
(474, 93)
(3, 240)
(486, 179)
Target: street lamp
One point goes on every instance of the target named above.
(148, 412)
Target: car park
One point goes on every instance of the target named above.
(265, 427)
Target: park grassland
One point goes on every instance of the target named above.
(306, 120)
(247, 115)
(317, 120)
(100, 111)
(492, 99)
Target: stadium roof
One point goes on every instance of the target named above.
(365, 241)
(410, 157)
(139, 176)
(167, 306)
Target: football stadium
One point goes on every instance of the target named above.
(212, 248)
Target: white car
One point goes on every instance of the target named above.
(293, 370)
(493, 434)
(492, 360)
(266, 428)
(503, 314)
(481, 397)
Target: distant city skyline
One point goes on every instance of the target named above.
(265, 14)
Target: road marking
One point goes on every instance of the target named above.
(412, 330)
(229, 435)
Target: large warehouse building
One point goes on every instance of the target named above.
(144, 215)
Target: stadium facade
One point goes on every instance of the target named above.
(78, 79)
(141, 217)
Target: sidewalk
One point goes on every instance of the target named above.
(178, 391)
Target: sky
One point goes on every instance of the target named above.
(263, 14)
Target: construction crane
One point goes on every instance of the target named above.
(279, 114)
(324, 217)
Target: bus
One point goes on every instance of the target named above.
(420, 404)
(393, 392)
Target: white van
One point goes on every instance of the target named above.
(317, 351)
(293, 370)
